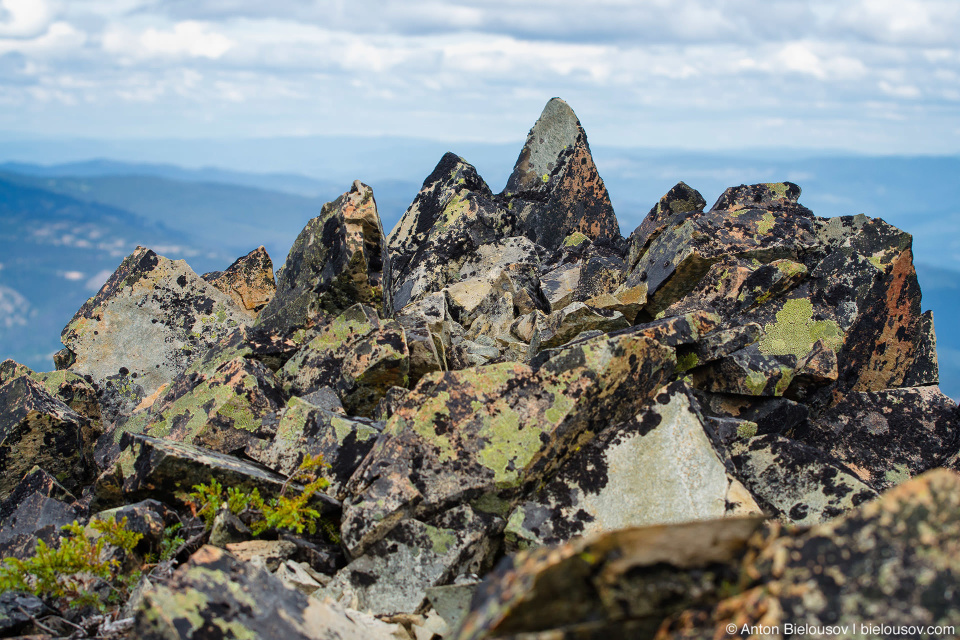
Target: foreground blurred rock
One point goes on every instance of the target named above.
(728, 417)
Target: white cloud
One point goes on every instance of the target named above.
(60, 39)
(186, 39)
(24, 18)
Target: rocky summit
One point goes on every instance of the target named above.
(503, 419)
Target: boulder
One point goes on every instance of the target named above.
(795, 482)
(305, 428)
(36, 510)
(70, 388)
(747, 372)
(555, 189)
(453, 215)
(145, 326)
(680, 201)
(163, 469)
(618, 584)
(338, 260)
(222, 409)
(357, 355)
(394, 574)
(490, 430)
(887, 437)
(215, 596)
(38, 429)
(883, 566)
(658, 467)
(249, 281)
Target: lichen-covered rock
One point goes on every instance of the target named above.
(925, 368)
(338, 260)
(357, 355)
(560, 284)
(657, 468)
(395, 573)
(215, 596)
(304, 428)
(145, 326)
(890, 564)
(70, 388)
(797, 483)
(221, 409)
(555, 189)
(681, 200)
(35, 510)
(761, 221)
(443, 229)
(38, 429)
(619, 584)
(565, 324)
(489, 430)
(249, 281)
(747, 372)
(887, 437)
(161, 469)
(18, 612)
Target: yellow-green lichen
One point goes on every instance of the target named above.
(545, 177)
(898, 475)
(755, 382)
(766, 223)
(779, 189)
(687, 361)
(574, 239)
(441, 540)
(795, 331)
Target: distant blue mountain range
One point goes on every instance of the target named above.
(65, 227)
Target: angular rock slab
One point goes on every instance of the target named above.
(893, 562)
(681, 199)
(305, 428)
(357, 355)
(162, 469)
(887, 437)
(38, 429)
(795, 482)
(71, 389)
(555, 188)
(394, 574)
(249, 281)
(657, 468)
(747, 372)
(222, 410)
(215, 596)
(339, 259)
(36, 510)
(453, 215)
(760, 221)
(489, 430)
(152, 318)
(613, 584)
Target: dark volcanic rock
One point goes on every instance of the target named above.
(38, 429)
(36, 510)
(555, 189)
(888, 436)
(339, 259)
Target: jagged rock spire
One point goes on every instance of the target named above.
(555, 187)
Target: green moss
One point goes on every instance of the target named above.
(795, 331)
(747, 429)
(687, 361)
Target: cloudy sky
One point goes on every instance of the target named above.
(862, 75)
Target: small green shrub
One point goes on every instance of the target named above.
(63, 572)
(282, 512)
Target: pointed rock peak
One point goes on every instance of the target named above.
(771, 195)
(681, 199)
(557, 130)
